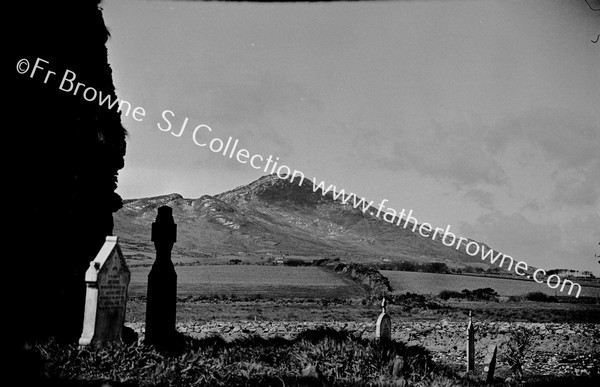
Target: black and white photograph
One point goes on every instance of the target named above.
(309, 193)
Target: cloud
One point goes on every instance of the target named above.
(256, 98)
(456, 154)
(568, 138)
(532, 205)
(254, 104)
(512, 234)
(258, 108)
(257, 142)
(568, 144)
(576, 190)
(552, 148)
(239, 93)
(546, 245)
(481, 197)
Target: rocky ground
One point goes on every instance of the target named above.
(559, 348)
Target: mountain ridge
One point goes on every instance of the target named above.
(282, 217)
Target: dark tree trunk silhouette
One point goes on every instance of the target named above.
(66, 154)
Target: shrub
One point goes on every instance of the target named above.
(437, 267)
(447, 294)
(517, 347)
(431, 267)
(296, 262)
(410, 301)
(540, 297)
(485, 294)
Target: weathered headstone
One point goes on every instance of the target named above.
(107, 280)
(490, 363)
(470, 345)
(383, 327)
(162, 282)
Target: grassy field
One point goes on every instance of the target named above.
(252, 281)
(321, 310)
(431, 283)
(309, 293)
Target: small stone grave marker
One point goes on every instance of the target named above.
(470, 345)
(383, 328)
(107, 280)
(490, 363)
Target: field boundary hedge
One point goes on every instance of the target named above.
(369, 278)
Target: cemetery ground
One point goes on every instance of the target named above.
(266, 325)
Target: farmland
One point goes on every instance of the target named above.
(307, 282)
(253, 280)
(431, 283)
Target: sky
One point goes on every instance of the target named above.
(481, 115)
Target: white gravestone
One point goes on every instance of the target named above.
(383, 328)
(107, 280)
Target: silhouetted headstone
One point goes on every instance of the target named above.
(107, 280)
(470, 345)
(383, 328)
(490, 363)
(162, 282)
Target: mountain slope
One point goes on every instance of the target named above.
(275, 215)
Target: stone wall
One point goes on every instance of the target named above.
(376, 284)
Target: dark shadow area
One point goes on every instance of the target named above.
(322, 356)
(319, 357)
(65, 156)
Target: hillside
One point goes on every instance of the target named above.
(276, 217)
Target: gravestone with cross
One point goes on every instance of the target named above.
(107, 281)
(162, 282)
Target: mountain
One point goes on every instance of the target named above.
(276, 216)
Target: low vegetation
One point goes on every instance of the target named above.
(427, 267)
(485, 294)
(313, 358)
(322, 357)
(514, 351)
(448, 294)
(439, 268)
(411, 302)
(534, 296)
